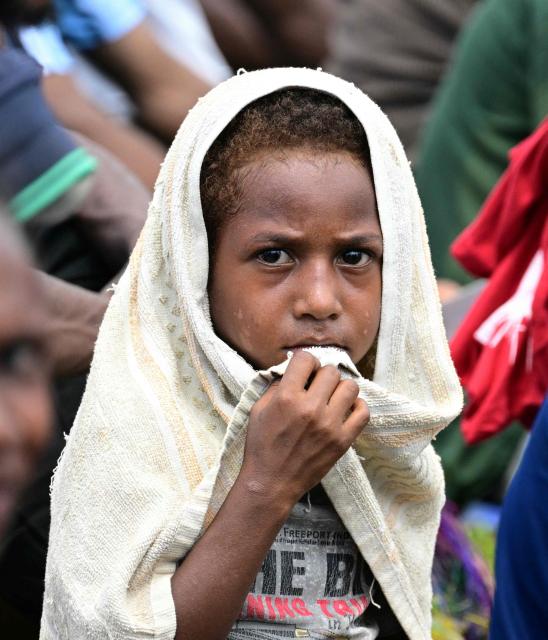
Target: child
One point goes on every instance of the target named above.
(188, 501)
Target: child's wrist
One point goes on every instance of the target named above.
(266, 493)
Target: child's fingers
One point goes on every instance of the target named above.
(299, 370)
(323, 385)
(356, 421)
(344, 397)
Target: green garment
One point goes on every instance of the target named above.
(51, 185)
(494, 96)
(396, 51)
(478, 471)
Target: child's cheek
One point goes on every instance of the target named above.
(246, 332)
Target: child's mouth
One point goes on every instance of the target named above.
(309, 345)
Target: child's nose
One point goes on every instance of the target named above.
(317, 294)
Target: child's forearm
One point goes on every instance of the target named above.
(296, 432)
(210, 586)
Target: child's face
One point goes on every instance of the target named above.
(300, 263)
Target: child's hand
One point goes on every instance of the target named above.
(299, 429)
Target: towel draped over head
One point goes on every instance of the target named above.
(159, 437)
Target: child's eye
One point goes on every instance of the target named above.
(274, 256)
(354, 258)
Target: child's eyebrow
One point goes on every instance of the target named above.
(276, 237)
(362, 238)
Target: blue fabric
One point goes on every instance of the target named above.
(520, 611)
(88, 23)
(31, 140)
(45, 44)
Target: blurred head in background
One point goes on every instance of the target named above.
(25, 403)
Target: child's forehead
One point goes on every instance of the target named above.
(303, 197)
(290, 179)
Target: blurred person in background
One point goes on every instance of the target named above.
(494, 95)
(501, 355)
(28, 25)
(254, 34)
(25, 401)
(397, 51)
(182, 29)
(81, 211)
(65, 187)
(44, 173)
(117, 38)
(521, 569)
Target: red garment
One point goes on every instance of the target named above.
(501, 349)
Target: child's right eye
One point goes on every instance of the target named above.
(274, 256)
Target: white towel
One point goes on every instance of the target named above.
(159, 437)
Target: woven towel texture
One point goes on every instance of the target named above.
(159, 437)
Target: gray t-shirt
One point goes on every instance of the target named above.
(313, 582)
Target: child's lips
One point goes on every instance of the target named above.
(309, 343)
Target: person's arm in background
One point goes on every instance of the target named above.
(162, 89)
(98, 196)
(111, 216)
(301, 27)
(114, 211)
(262, 33)
(138, 151)
(72, 319)
(242, 37)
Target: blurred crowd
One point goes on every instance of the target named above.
(91, 94)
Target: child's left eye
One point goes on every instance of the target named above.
(274, 256)
(354, 258)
